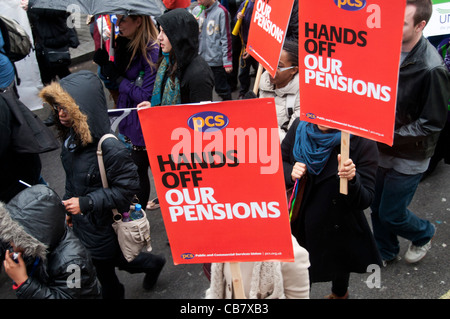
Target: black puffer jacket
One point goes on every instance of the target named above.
(422, 99)
(196, 77)
(34, 220)
(83, 97)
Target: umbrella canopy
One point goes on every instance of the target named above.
(126, 7)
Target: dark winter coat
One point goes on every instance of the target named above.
(332, 226)
(196, 77)
(83, 97)
(50, 29)
(34, 220)
(14, 166)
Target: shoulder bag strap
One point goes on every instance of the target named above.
(101, 166)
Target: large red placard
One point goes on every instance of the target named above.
(219, 178)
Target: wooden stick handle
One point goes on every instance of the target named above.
(238, 285)
(345, 154)
(258, 79)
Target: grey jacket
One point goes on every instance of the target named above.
(215, 35)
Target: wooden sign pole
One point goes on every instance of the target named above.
(345, 154)
(258, 79)
(238, 285)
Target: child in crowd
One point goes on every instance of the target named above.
(215, 42)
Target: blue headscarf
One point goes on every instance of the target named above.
(313, 146)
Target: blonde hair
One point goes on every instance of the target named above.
(145, 34)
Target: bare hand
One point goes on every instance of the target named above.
(144, 104)
(298, 171)
(72, 205)
(24, 4)
(229, 69)
(348, 170)
(16, 271)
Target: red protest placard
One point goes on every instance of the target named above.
(267, 31)
(219, 178)
(349, 53)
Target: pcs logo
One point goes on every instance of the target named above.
(350, 5)
(187, 256)
(311, 116)
(208, 121)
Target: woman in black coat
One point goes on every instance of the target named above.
(79, 103)
(330, 225)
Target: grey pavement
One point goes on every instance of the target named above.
(428, 279)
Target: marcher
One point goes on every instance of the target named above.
(182, 67)
(50, 31)
(264, 280)
(52, 263)
(15, 166)
(331, 226)
(442, 150)
(421, 111)
(215, 42)
(7, 74)
(246, 62)
(21, 140)
(136, 51)
(183, 75)
(233, 6)
(284, 87)
(79, 101)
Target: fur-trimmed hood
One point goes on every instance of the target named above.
(33, 220)
(83, 96)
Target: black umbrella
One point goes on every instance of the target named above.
(92, 7)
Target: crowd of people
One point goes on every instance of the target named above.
(178, 58)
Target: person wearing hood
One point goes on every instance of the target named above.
(284, 87)
(80, 103)
(51, 262)
(183, 75)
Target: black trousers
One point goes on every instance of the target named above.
(221, 82)
(112, 288)
(49, 74)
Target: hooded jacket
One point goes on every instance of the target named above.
(196, 77)
(34, 220)
(83, 97)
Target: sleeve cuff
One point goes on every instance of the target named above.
(86, 204)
